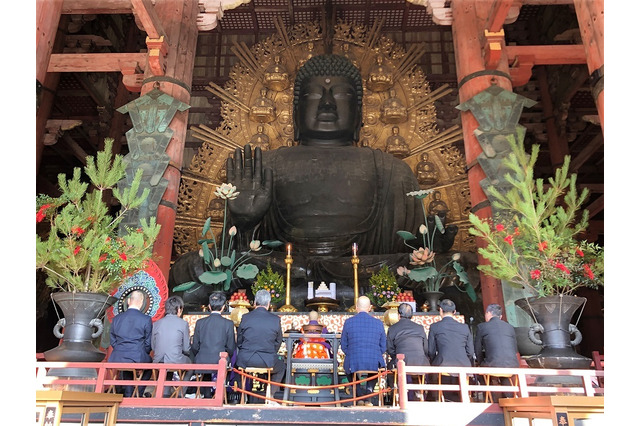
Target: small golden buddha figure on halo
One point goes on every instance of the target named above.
(348, 53)
(222, 174)
(260, 139)
(216, 208)
(264, 109)
(307, 55)
(380, 77)
(426, 171)
(396, 145)
(276, 77)
(437, 205)
(392, 110)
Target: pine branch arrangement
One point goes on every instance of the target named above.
(83, 251)
(533, 241)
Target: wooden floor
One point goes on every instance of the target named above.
(423, 413)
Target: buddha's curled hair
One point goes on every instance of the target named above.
(328, 65)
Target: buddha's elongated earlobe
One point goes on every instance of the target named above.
(296, 124)
(358, 125)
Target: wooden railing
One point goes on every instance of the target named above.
(528, 381)
(106, 379)
(470, 381)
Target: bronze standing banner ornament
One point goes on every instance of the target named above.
(355, 261)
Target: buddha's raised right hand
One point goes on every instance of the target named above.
(254, 185)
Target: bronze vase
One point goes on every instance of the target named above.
(82, 323)
(552, 329)
(432, 299)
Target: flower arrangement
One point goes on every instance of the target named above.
(384, 287)
(532, 241)
(426, 269)
(83, 251)
(221, 264)
(272, 281)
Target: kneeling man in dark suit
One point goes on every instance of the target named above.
(259, 339)
(130, 337)
(496, 344)
(213, 334)
(408, 338)
(450, 344)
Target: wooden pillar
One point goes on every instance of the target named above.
(47, 23)
(178, 18)
(590, 16)
(468, 28)
(116, 128)
(47, 20)
(558, 144)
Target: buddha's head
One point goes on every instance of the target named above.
(327, 101)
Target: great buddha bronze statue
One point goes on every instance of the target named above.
(325, 193)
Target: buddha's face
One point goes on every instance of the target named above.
(327, 112)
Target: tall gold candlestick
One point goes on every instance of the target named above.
(354, 261)
(287, 307)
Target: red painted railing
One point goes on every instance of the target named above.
(106, 378)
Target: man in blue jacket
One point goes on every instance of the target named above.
(130, 337)
(364, 343)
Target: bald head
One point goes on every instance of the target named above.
(363, 304)
(136, 299)
(313, 316)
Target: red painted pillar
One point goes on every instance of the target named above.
(590, 16)
(47, 21)
(468, 32)
(178, 18)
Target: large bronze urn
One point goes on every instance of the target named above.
(81, 324)
(552, 329)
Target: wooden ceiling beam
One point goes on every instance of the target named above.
(145, 12)
(77, 150)
(594, 188)
(596, 207)
(101, 99)
(556, 54)
(596, 227)
(93, 62)
(592, 147)
(498, 14)
(90, 7)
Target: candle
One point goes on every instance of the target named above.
(332, 288)
(355, 248)
(310, 290)
(288, 249)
